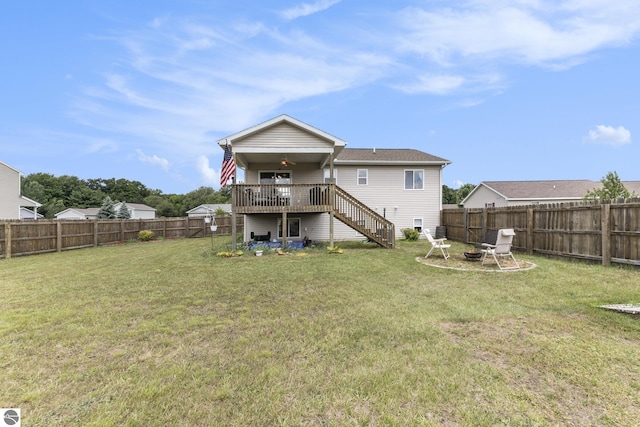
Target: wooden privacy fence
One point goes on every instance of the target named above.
(607, 231)
(29, 237)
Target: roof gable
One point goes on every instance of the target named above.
(282, 119)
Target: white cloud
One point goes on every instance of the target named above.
(153, 160)
(306, 9)
(608, 135)
(208, 174)
(545, 33)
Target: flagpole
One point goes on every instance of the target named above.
(234, 215)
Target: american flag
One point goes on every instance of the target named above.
(228, 166)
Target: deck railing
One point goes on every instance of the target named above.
(279, 198)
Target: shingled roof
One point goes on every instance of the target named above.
(388, 155)
(554, 189)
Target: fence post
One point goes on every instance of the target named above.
(530, 231)
(7, 240)
(606, 233)
(59, 236)
(95, 233)
(483, 225)
(465, 225)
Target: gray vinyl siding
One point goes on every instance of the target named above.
(482, 196)
(9, 192)
(385, 191)
(282, 136)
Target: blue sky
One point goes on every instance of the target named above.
(506, 90)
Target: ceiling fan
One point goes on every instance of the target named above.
(286, 162)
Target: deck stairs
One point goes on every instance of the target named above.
(363, 219)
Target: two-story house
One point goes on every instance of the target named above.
(11, 199)
(303, 183)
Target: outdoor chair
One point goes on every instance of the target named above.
(436, 244)
(501, 249)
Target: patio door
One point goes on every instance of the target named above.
(277, 177)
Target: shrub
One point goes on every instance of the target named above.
(145, 235)
(411, 234)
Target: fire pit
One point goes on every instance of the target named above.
(472, 255)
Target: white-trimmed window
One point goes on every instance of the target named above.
(293, 227)
(417, 224)
(275, 177)
(327, 175)
(414, 179)
(363, 176)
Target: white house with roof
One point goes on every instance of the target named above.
(78, 213)
(517, 193)
(303, 183)
(137, 210)
(11, 199)
(208, 209)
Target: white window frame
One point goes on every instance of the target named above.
(413, 180)
(327, 173)
(275, 179)
(289, 220)
(365, 177)
(418, 224)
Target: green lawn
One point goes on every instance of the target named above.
(165, 333)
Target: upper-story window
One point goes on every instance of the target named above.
(363, 176)
(327, 174)
(413, 179)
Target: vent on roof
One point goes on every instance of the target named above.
(374, 150)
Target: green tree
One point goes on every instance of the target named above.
(107, 210)
(51, 208)
(201, 196)
(448, 195)
(612, 188)
(463, 192)
(123, 212)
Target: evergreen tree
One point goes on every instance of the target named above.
(123, 212)
(107, 210)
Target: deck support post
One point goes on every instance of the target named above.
(234, 218)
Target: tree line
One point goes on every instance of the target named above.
(62, 192)
(57, 193)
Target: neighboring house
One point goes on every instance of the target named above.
(78, 213)
(137, 210)
(29, 214)
(301, 183)
(208, 209)
(517, 193)
(11, 200)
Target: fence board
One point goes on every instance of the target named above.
(27, 237)
(605, 231)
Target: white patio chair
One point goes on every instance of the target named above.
(436, 244)
(502, 249)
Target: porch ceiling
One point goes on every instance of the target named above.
(244, 158)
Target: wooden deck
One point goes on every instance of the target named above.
(272, 198)
(310, 198)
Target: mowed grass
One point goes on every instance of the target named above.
(166, 333)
